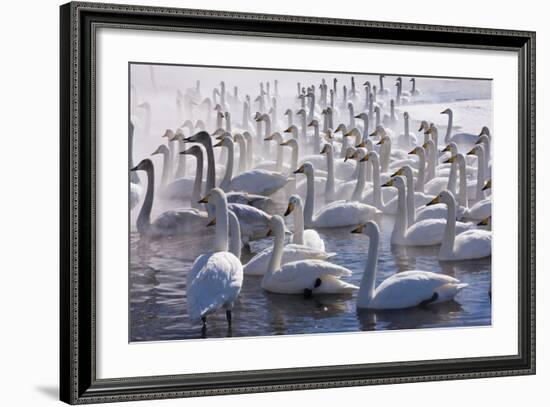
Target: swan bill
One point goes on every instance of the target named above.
(211, 223)
(289, 209)
(390, 183)
(434, 201)
(359, 229)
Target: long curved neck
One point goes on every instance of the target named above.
(365, 126)
(447, 245)
(361, 181)
(385, 155)
(449, 128)
(420, 179)
(220, 239)
(166, 167)
(316, 138)
(377, 123)
(143, 222)
(411, 210)
(451, 184)
(407, 134)
(249, 152)
(311, 106)
(289, 122)
(377, 189)
(462, 188)
(298, 237)
(276, 255)
(242, 155)
(294, 159)
(310, 199)
(303, 122)
(400, 226)
(198, 180)
(351, 117)
(134, 178)
(182, 160)
(211, 162)
(366, 288)
(234, 235)
(480, 174)
(224, 185)
(245, 115)
(330, 190)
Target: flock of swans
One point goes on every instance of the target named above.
(338, 157)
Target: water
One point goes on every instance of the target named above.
(158, 305)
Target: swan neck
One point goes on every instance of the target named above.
(229, 169)
(298, 237)
(220, 239)
(448, 242)
(449, 128)
(411, 210)
(330, 191)
(234, 235)
(310, 200)
(211, 169)
(144, 218)
(400, 227)
(366, 288)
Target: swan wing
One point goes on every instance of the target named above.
(313, 240)
(412, 288)
(177, 222)
(214, 281)
(253, 221)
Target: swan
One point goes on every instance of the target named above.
(401, 290)
(336, 214)
(169, 223)
(255, 181)
(406, 140)
(307, 237)
(203, 137)
(377, 196)
(427, 232)
(414, 90)
(464, 245)
(475, 188)
(304, 277)
(215, 279)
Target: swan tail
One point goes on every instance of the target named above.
(447, 292)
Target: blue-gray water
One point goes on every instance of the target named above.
(158, 311)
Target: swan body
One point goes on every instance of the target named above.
(308, 237)
(305, 277)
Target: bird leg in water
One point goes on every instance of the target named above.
(228, 316)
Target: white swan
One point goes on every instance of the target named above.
(216, 278)
(336, 214)
(469, 244)
(427, 232)
(402, 290)
(136, 189)
(307, 237)
(305, 277)
(464, 141)
(482, 209)
(169, 223)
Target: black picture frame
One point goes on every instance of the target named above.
(78, 382)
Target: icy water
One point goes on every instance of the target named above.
(159, 312)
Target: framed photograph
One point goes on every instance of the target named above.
(255, 203)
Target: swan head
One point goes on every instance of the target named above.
(313, 123)
(451, 147)
(362, 116)
(483, 138)
(305, 168)
(258, 117)
(341, 127)
(423, 125)
(447, 111)
(301, 111)
(211, 223)
(384, 140)
(223, 134)
(477, 148)
(169, 134)
(327, 148)
(353, 132)
(378, 131)
(370, 229)
(193, 150)
(428, 144)
(486, 186)
(406, 115)
(224, 142)
(350, 106)
(415, 151)
(290, 142)
(377, 109)
(485, 222)
(397, 182)
(367, 84)
(405, 171)
(274, 136)
(200, 125)
(293, 130)
(485, 131)
(162, 149)
(293, 202)
(444, 197)
(144, 165)
(197, 137)
(215, 195)
(356, 154)
(450, 160)
(288, 111)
